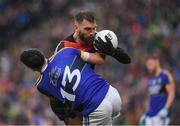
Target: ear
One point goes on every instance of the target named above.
(75, 26)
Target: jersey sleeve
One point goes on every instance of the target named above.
(75, 51)
(83, 55)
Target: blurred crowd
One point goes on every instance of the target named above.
(142, 26)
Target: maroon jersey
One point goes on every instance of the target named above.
(70, 42)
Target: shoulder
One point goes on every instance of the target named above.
(65, 43)
(69, 38)
(168, 74)
(67, 51)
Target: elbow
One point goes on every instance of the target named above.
(126, 60)
(173, 91)
(173, 95)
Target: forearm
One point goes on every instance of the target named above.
(146, 104)
(170, 99)
(121, 56)
(92, 58)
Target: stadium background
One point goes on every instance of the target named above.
(142, 26)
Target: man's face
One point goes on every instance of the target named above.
(151, 65)
(86, 30)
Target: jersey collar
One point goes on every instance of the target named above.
(45, 66)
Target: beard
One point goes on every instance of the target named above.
(85, 38)
(152, 72)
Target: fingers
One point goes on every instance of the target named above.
(101, 41)
(108, 40)
(97, 42)
(99, 47)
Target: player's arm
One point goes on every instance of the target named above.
(145, 107)
(108, 49)
(170, 88)
(92, 58)
(96, 58)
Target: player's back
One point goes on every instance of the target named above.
(72, 81)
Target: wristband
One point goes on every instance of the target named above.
(84, 55)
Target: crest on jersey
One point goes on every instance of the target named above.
(54, 75)
(155, 86)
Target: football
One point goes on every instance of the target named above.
(110, 34)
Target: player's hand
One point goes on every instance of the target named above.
(163, 112)
(108, 49)
(142, 120)
(104, 47)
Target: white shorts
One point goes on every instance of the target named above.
(157, 121)
(106, 111)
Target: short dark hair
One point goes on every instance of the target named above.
(87, 15)
(151, 56)
(32, 58)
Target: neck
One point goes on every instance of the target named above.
(158, 71)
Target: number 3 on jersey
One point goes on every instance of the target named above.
(68, 78)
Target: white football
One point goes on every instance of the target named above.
(110, 34)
